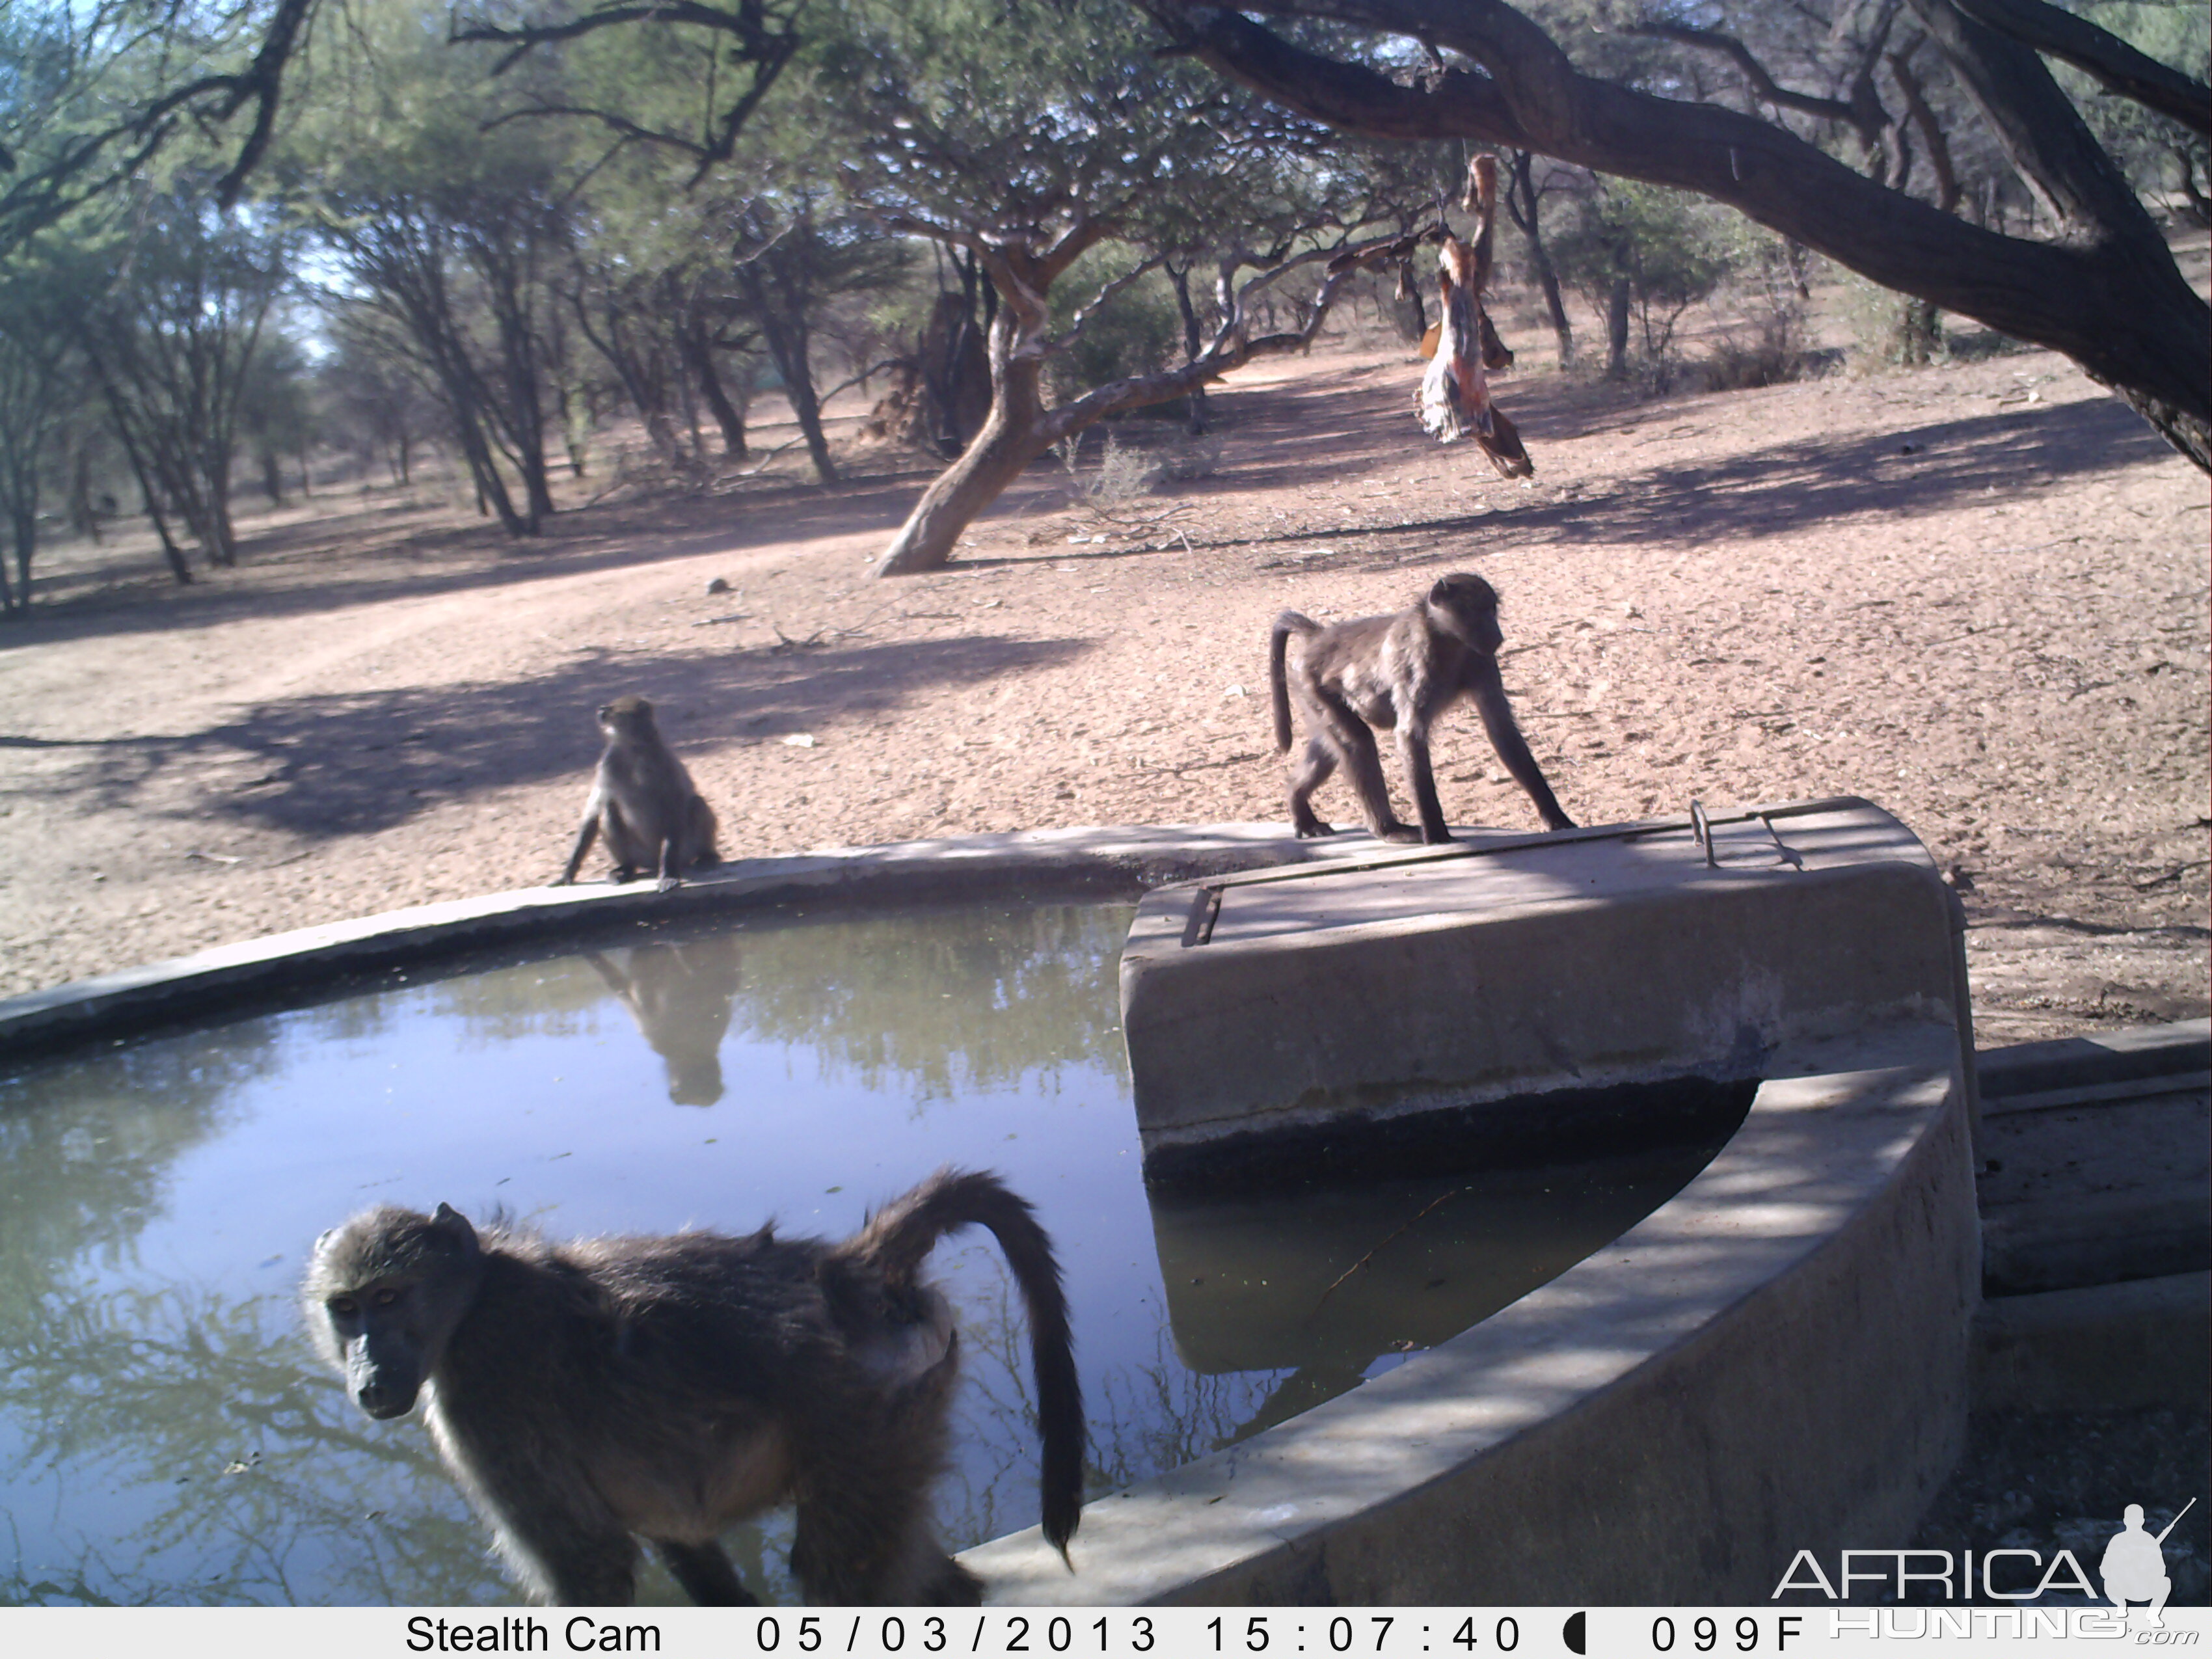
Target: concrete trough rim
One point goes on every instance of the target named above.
(1123, 858)
(301, 963)
(1239, 1524)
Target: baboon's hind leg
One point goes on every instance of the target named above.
(1314, 767)
(864, 1541)
(1362, 767)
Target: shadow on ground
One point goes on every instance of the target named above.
(1335, 428)
(1800, 484)
(348, 763)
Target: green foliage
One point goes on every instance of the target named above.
(1138, 330)
(1007, 112)
(1670, 249)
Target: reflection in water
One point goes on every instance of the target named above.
(165, 1436)
(680, 995)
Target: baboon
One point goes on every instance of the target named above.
(1397, 672)
(644, 802)
(587, 1394)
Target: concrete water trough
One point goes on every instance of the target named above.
(1776, 1359)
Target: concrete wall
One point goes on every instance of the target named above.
(233, 980)
(1611, 957)
(1775, 1359)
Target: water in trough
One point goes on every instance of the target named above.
(167, 1437)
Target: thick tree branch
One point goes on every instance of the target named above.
(2106, 59)
(99, 160)
(2111, 299)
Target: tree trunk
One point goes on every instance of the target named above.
(1195, 418)
(788, 345)
(1616, 330)
(1524, 202)
(84, 512)
(178, 567)
(1010, 438)
(727, 414)
(1919, 333)
(27, 544)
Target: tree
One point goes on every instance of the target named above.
(1024, 134)
(32, 387)
(1644, 255)
(451, 232)
(98, 89)
(172, 341)
(795, 250)
(1524, 203)
(2104, 291)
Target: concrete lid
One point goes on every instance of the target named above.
(1493, 876)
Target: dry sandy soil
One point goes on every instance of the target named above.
(1976, 594)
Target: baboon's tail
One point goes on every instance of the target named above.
(896, 1240)
(1288, 623)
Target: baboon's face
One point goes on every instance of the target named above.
(1467, 606)
(383, 1294)
(626, 717)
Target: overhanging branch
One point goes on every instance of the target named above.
(2106, 59)
(2110, 298)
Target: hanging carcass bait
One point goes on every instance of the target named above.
(1455, 393)
(1454, 397)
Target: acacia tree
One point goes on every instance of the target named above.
(96, 90)
(171, 342)
(451, 231)
(1024, 134)
(2104, 289)
(795, 250)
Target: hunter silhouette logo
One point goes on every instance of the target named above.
(2134, 1566)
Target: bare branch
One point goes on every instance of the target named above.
(766, 38)
(1083, 314)
(1762, 83)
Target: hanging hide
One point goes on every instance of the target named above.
(1454, 396)
(1455, 393)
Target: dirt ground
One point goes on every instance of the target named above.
(1975, 593)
